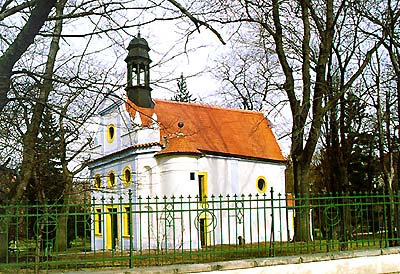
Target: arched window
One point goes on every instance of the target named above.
(127, 176)
(111, 132)
(261, 184)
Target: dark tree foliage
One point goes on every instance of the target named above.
(47, 183)
(182, 94)
(348, 160)
(363, 166)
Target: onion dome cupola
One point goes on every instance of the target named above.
(138, 62)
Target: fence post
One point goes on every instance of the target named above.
(130, 230)
(272, 236)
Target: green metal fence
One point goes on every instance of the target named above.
(109, 231)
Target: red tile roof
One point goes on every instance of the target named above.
(211, 129)
(179, 144)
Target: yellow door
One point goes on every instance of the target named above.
(203, 188)
(111, 228)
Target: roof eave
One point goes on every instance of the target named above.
(168, 153)
(224, 154)
(133, 147)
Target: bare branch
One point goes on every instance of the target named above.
(4, 13)
(197, 21)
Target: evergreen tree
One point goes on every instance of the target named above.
(182, 94)
(47, 182)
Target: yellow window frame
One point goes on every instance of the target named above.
(97, 184)
(126, 182)
(264, 188)
(111, 185)
(111, 137)
(203, 188)
(127, 218)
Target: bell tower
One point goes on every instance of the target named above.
(138, 72)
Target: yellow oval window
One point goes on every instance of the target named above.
(97, 181)
(127, 176)
(111, 132)
(261, 184)
(111, 180)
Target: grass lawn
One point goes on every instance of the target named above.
(79, 255)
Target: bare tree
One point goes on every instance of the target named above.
(96, 12)
(384, 102)
(31, 135)
(249, 71)
(301, 34)
(40, 11)
(386, 15)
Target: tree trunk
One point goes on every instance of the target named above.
(301, 172)
(31, 136)
(4, 240)
(387, 167)
(62, 230)
(396, 183)
(7, 61)
(62, 222)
